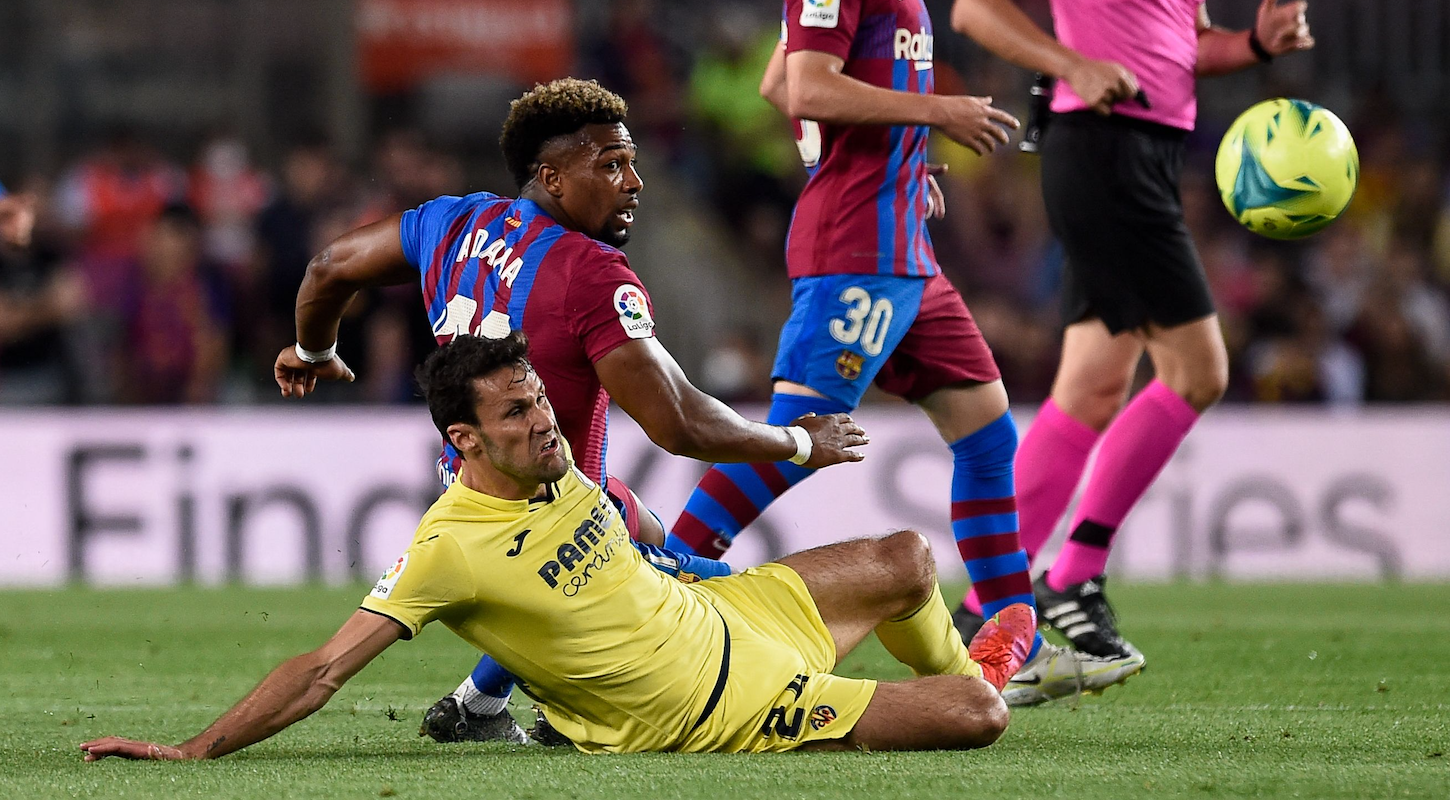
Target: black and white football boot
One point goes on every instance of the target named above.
(1082, 614)
(449, 721)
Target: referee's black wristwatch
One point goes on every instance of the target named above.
(1257, 46)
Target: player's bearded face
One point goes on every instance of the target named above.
(601, 184)
(520, 435)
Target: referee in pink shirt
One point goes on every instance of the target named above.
(1112, 152)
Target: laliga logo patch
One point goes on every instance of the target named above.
(820, 13)
(821, 716)
(385, 584)
(633, 312)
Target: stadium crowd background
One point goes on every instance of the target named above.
(190, 157)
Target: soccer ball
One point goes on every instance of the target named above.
(1287, 168)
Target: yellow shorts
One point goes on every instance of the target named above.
(779, 692)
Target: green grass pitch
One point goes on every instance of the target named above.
(1251, 691)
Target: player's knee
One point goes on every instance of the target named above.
(994, 718)
(1200, 385)
(982, 716)
(908, 556)
(1208, 386)
(1093, 401)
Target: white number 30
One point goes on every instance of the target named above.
(865, 321)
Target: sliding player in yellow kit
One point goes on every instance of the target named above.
(525, 558)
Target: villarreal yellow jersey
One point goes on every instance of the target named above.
(621, 656)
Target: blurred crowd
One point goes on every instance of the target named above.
(157, 279)
(154, 282)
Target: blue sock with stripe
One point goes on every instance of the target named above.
(984, 517)
(487, 690)
(731, 496)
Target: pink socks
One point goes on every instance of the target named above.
(1049, 466)
(1135, 448)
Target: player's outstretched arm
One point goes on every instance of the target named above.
(1002, 27)
(1279, 28)
(644, 379)
(295, 689)
(818, 89)
(369, 256)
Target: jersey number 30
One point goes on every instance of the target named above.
(865, 322)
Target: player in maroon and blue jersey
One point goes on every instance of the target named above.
(869, 303)
(547, 263)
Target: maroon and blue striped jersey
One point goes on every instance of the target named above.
(492, 264)
(863, 210)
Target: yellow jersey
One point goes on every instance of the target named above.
(621, 656)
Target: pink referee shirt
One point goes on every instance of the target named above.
(1156, 39)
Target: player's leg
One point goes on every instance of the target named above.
(941, 712)
(889, 585)
(1192, 367)
(841, 330)
(859, 584)
(1092, 382)
(943, 364)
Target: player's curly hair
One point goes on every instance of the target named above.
(446, 376)
(557, 108)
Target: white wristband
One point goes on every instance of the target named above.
(802, 444)
(315, 356)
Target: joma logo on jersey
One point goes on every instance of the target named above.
(574, 562)
(494, 253)
(913, 46)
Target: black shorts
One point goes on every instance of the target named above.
(1111, 189)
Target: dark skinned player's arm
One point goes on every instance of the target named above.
(369, 256)
(644, 379)
(294, 690)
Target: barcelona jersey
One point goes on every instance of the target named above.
(492, 264)
(863, 210)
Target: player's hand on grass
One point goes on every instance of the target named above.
(1101, 84)
(297, 378)
(974, 122)
(936, 202)
(128, 748)
(832, 438)
(1283, 28)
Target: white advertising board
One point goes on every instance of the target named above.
(281, 496)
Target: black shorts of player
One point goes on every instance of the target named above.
(1111, 189)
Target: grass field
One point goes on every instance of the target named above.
(1252, 691)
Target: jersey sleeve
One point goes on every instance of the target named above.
(423, 228)
(827, 27)
(608, 306)
(680, 566)
(431, 576)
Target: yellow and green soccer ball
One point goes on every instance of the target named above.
(1287, 168)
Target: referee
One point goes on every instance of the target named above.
(1111, 157)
